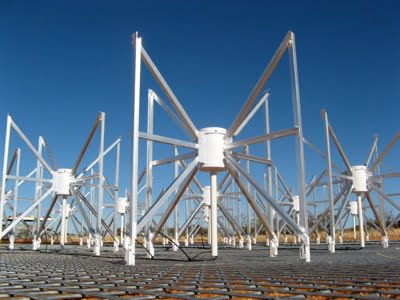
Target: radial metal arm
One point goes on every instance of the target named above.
(259, 85)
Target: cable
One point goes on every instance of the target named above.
(202, 240)
(152, 256)
(188, 257)
(45, 233)
(214, 258)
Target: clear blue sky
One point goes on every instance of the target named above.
(63, 61)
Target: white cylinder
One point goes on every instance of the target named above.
(122, 204)
(116, 248)
(63, 222)
(34, 243)
(360, 176)
(211, 142)
(353, 208)
(68, 211)
(360, 221)
(296, 203)
(273, 251)
(248, 244)
(207, 195)
(11, 242)
(97, 241)
(385, 241)
(61, 181)
(214, 217)
(331, 244)
(206, 210)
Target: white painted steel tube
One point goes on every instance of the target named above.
(115, 214)
(360, 221)
(15, 207)
(130, 255)
(214, 221)
(209, 230)
(63, 221)
(330, 186)
(4, 173)
(99, 227)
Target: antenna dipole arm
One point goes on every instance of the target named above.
(190, 127)
(14, 157)
(385, 151)
(259, 85)
(373, 148)
(87, 142)
(324, 116)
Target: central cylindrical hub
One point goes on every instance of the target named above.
(211, 142)
(62, 179)
(360, 176)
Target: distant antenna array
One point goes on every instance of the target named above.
(361, 180)
(52, 184)
(214, 150)
(87, 201)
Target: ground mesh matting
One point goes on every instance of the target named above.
(351, 272)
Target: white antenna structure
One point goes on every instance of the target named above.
(52, 184)
(360, 180)
(213, 150)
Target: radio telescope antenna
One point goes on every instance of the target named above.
(213, 150)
